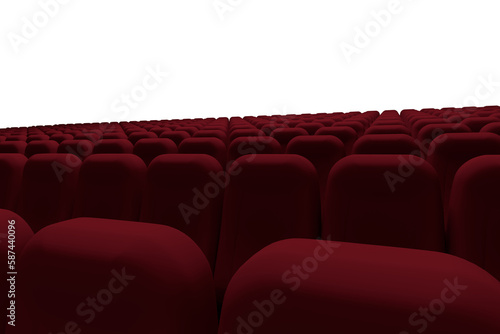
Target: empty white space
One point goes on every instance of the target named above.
(256, 57)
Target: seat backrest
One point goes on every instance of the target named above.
(386, 144)
(205, 145)
(311, 128)
(431, 131)
(356, 125)
(115, 135)
(387, 129)
(103, 276)
(48, 188)
(111, 186)
(369, 198)
(322, 151)
(176, 136)
(493, 127)
(60, 137)
(268, 198)
(346, 134)
(212, 133)
(13, 147)
(312, 286)
(41, 146)
(473, 229)
(113, 146)
(284, 135)
(11, 176)
(80, 148)
(136, 136)
(448, 152)
(242, 146)
(252, 132)
(185, 191)
(149, 148)
(37, 137)
(477, 123)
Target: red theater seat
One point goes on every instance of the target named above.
(107, 146)
(185, 191)
(111, 186)
(136, 136)
(390, 121)
(48, 188)
(270, 198)
(474, 216)
(13, 147)
(386, 144)
(176, 136)
(493, 127)
(431, 131)
(346, 134)
(270, 127)
(448, 152)
(158, 130)
(356, 125)
(80, 148)
(212, 146)
(311, 128)
(37, 137)
(11, 175)
(115, 135)
(241, 146)
(387, 129)
(148, 149)
(284, 135)
(420, 124)
(212, 133)
(189, 129)
(14, 236)
(246, 133)
(477, 123)
(310, 286)
(41, 146)
(106, 276)
(22, 138)
(59, 137)
(91, 136)
(390, 200)
(322, 151)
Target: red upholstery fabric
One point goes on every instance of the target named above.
(111, 186)
(369, 198)
(473, 223)
(106, 276)
(11, 174)
(148, 149)
(311, 286)
(185, 191)
(270, 198)
(48, 188)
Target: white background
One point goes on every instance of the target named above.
(257, 57)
